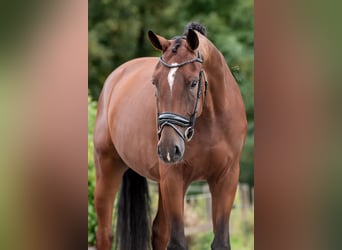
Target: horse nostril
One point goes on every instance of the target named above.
(177, 151)
(158, 150)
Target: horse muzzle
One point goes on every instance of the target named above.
(170, 148)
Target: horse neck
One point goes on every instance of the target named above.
(217, 73)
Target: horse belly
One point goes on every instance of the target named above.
(132, 123)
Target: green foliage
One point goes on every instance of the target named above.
(92, 222)
(195, 188)
(202, 241)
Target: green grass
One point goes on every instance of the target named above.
(241, 229)
(241, 235)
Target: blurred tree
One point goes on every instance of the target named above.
(92, 220)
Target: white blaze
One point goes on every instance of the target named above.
(171, 76)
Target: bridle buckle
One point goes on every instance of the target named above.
(189, 133)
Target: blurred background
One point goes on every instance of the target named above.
(118, 33)
(44, 91)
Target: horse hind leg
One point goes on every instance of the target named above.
(109, 172)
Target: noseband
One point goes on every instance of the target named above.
(172, 119)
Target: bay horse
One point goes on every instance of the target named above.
(174, 119)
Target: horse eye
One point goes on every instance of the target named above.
(193, 84)
(154, 82)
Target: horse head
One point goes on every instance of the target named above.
(178, 79)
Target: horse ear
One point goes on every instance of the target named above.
(192, 39)
(158, 42)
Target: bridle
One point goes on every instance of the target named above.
(172, 119)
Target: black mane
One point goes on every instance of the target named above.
(192, 25)
(195, 26)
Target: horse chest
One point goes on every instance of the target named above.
(204, 162)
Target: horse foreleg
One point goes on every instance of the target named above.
(108, 179)
(223, 189)
(173, 187)
(160, 228)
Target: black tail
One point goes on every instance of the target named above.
(133, 223)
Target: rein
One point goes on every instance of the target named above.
(172, 119)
